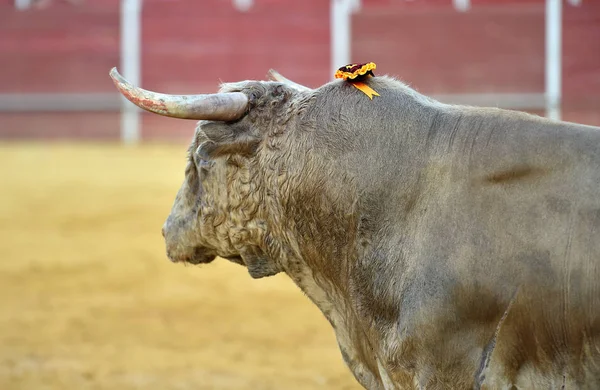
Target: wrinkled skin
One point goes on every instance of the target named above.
(449, 247)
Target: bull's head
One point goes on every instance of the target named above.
(219, 210)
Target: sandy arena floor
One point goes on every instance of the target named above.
(88, 300)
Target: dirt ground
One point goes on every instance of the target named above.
(88, 299)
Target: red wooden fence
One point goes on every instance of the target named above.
(191, 45)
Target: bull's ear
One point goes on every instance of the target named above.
(217, 139)
(258, 264)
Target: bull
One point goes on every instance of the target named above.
(448, 246)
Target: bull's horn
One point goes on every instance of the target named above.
(274, 75)
(217, 107)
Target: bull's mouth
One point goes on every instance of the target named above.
(203, 256)
(198, 256)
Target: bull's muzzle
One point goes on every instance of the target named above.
(178, 251)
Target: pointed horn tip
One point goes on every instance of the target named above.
(273, 75)
(117, 78)
(114, 73)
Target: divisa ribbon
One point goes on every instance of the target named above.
(355, 74)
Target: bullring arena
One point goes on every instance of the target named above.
(89, 300)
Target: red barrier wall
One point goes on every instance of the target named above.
(191, 45)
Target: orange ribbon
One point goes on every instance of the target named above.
(370, 92)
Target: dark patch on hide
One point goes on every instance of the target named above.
(258, 264)
(513, 174)
(373, 289)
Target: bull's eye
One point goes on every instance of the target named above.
(200, 159)
(252, 97)
(204, 164)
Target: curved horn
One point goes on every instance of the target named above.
(217, 107)
(274, 75)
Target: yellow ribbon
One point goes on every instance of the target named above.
(370, 92)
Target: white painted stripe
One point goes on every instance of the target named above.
(341, 33)
(131, 15)
(553, 58)
(243, 5)
(462, 5)
(22, 4)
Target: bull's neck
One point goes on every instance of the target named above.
(338, 187)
